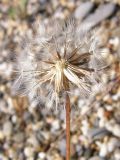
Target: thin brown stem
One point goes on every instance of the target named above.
(67, 127)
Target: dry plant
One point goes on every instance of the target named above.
(57, 58)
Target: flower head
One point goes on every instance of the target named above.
(56, 59)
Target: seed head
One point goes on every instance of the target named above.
(57, 59)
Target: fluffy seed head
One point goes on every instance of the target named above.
(56, 59)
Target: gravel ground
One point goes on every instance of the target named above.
(28, 132)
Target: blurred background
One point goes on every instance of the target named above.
(28, 132)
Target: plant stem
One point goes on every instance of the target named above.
(67, 127)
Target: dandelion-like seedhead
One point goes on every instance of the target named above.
(56, 59)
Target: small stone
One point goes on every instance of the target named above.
(21, 155)
(115, 42)
(84, 110)
(103, 150)
(85, 127)
(30, 158)
(62, 115)
(95, 158)
(109, 107)
(62, 147)
(14, 118)
(112, 144)
(83, 9)
(88, 152)
(108, 99)
(7, 128)
(116, 97)
(12, 153)
(100, 14)
(43, 136)
(116, 130)
(98, 133)
(55, 4)
(43, 2)
(117, 155)
(28, 151)
(33, 141)
(19, 137)
(41, 155)
(102, 122)
(32, 7)
(81, 103)
(100, 112)
(109, 125)
(27, 117)
(2, 157)
(74, 139)
(6, 68)
(1, 135)
(79, 150)
(82, 158)
(55, 126)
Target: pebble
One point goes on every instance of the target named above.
(32, 7)
(98, 133)
(83, 9)
(117, 155)
(84, 110)
(55, 4)
(95, 158)
(41, 155)
(27, 117)
(55, 125)
(108, 146)
(2, 157)
(82, 158)
(7, 128)
(6, 69)
(109, 125)
(79, 150)
(62, 115)
(102, 12)
(14, 119)
(85, 127)
(83, 139)
(12, 153)
(88, 152)
(113, 127)
(43, 135)
(100, 112)
(19, 137)
(103, 150)
(62, 147)
(116, 97)
(112, 144)
(33, 141)
(28, 151)
(116, 130)
(102, 122)
(109, 107)
(74, 139)
(2, 135)
(81, 103)
(115, 42)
